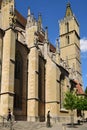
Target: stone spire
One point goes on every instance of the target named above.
(29, 12)
(57, 52)
(46, 34)
(29, 16)
(46, 43)
(39, 22)
(68, 10)
(57, 47)
(30, 19)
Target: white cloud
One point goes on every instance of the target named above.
(83, 44)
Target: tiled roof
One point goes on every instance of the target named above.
(40, 36)
(79, 88)
(20, 19)
(52, 48)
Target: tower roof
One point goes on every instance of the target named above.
(68, 10)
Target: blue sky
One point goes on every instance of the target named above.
(54, 10)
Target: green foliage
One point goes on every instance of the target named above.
(86, 90)
(81, 103)
(70, 101)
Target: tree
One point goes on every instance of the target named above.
(70, 101)
(86, 90)
(81, 104)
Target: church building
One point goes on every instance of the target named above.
(34, 74)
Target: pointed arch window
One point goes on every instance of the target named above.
(18, 81)
(41, 79)
(67, 27)
(18, 67)
(68, 39)
(61, 91)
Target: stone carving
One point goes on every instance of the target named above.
(12, 17)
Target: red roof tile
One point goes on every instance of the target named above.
(20, 18)
(79, 88)
(52, 48)
(22, 22)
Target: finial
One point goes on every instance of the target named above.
(46, 33)
(29, 12)
(68, 10)
(39, 22)
(57, 46)
(40, 18)
(68, 4)
(29, 17)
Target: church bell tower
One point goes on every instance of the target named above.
(70, 42)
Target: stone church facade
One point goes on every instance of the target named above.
(34, 74)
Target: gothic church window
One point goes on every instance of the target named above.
(67, 30)
(0, 63)
(61, 91)
(67, 27)
(41, 87)
(41, 78)
(0, 76)
(18, 68)
(67, 39)
(18, 81)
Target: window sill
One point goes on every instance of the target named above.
(64, 110)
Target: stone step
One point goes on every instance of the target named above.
(24, 125)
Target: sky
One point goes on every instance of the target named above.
(52, 12)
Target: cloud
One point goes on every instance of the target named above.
(83, 44)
